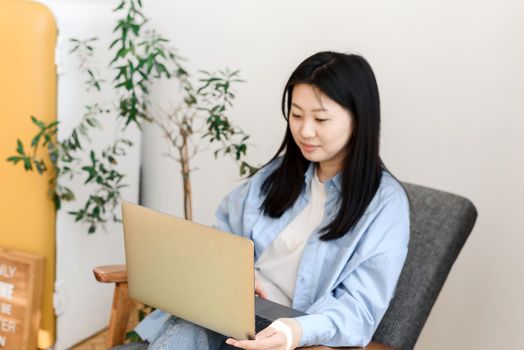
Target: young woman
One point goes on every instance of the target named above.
(330, 224)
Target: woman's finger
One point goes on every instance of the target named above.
(276, 340)
(266, 332)
(259, 290)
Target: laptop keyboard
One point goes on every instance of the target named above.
(261, 323)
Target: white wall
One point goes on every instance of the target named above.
(451, 77)
(82, 305)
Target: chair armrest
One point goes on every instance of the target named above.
(111, 273)
(122, 304)
(371, 346)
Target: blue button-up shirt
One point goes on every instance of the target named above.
(345, 285)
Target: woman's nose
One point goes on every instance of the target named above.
(307, 130)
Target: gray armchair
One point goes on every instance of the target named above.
(440, 224)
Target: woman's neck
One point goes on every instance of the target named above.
(326, 171)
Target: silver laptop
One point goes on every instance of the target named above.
(195, 272)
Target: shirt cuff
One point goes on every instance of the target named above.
(316, 329)
(151, 325)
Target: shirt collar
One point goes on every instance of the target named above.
(334, 182)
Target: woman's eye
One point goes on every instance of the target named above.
(297, 116)
(321, 120)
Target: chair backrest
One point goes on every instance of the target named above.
(440, 224)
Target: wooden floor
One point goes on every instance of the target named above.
(98, 341)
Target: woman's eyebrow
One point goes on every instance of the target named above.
(314, 110)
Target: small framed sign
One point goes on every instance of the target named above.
(21, 283)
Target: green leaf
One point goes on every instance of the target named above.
(38, 123)
(56, 201)
(14, 159)
(47, 139)
(75, 142)
(133, 337)
(245, 168)
(181, 72)
(136, 29)
(79, 215)
(119, 7)
(143, 87)
(40, 166)
(122, 53)
(20, 147)
(96, 212)
(52, 125)
(114, 43)
(67, 195)
(117, 86)
(93, 123)
(160, 68)
(240, 150)
(91, 173)
(35, 140)
(27, 163)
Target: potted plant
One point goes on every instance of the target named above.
(141, 57)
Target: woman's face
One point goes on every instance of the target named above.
(320, 127)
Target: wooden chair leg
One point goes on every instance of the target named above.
(122, 307)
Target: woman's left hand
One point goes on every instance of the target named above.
(270, 338)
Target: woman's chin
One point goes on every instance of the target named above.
(311, 157)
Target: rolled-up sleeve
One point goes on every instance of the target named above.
(349, 315)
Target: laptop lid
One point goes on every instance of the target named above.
(189, 270)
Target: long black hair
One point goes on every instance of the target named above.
(349, 81)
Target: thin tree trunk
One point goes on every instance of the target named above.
(184, 156)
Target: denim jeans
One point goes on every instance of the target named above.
(180, 334)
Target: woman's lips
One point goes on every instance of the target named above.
(308, 148)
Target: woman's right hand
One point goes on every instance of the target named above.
(259, 290)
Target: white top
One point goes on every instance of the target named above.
(277, 267)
